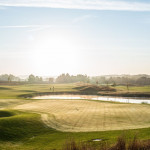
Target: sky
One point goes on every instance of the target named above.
(93, 37)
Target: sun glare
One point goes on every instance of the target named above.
(57, 53)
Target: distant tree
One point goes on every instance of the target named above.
(88, 81)
(11, 77)
(127, 84)
(66, 78)
(4, 77)
(31, 78)
(34, 79)
(41, 79)
(143, 81)
(61, 79)
(51, 80)
(114, 84)
(82, 78)
(97, 82)
(107, 83)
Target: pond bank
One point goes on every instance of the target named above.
(114, 94)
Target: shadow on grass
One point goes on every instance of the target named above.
(27, 91)
(4, 88)
(4, 113)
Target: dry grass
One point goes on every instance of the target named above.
(121, 144)
(83, 115)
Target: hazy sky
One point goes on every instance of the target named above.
(94, 37)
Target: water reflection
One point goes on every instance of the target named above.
(94, 97)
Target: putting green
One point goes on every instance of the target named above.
(84, 115)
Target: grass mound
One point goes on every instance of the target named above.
(80, 87)
(5, 88)
(90, 88)
(95, 88)
(20, 126)
(5, 114)
(107, 88)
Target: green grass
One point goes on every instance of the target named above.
(83, 115)
(10, 91)
(24, 131)
(19, 125)
(19, 91)
(133, 91)
(134, 88)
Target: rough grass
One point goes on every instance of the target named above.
(121, 144)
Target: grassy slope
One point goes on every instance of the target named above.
(26, 131)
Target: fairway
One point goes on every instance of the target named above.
(84, 115)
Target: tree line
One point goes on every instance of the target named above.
(8, 78)
(67, 78)
(122, 80)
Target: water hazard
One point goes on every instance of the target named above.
(99, 98)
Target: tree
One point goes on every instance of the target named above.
(31, 78)
(66, 78)
(127, 84)
(51, 80)
(10, 77)
(97, 82)
(4, 77)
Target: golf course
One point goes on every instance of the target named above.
(30, 123)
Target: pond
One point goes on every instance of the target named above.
(95, 97)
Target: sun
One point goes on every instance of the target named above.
(55, 53)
